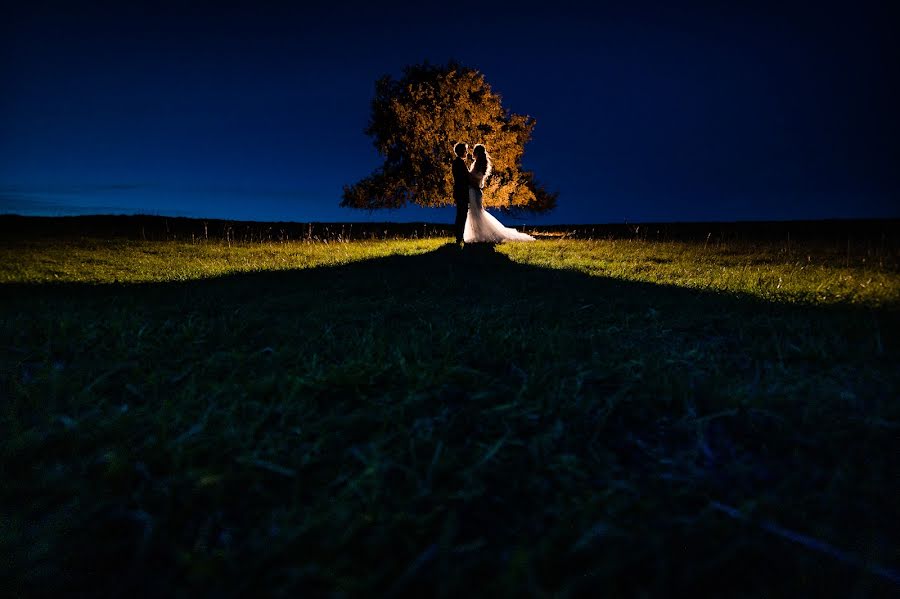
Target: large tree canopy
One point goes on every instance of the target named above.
(415, 123)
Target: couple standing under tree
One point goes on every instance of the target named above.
(474, 224)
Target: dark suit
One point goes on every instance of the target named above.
(460, 195)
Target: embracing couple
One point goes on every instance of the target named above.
(474, 224)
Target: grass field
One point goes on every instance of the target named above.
(558, 418)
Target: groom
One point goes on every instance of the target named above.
(460, 188)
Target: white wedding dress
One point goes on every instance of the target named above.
(481, 226)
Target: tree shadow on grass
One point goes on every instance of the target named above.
(471, 417)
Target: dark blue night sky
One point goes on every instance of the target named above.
(645, 113)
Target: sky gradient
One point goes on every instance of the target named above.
(645, 113)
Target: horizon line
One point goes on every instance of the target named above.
(449, 224)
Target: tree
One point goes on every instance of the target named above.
(415, 123)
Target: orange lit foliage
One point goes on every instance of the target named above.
(415, 123)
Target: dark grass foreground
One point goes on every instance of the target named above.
(446, 423)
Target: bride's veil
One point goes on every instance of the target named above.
(490, 165)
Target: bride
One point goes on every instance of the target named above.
(481, 226)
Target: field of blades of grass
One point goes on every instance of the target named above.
(406, 417)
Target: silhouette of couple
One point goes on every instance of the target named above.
(473, 223)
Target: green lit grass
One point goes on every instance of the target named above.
(808, 274)
(552, 419)
(813, 276)
(129, 261)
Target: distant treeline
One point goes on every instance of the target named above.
(885, 232)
